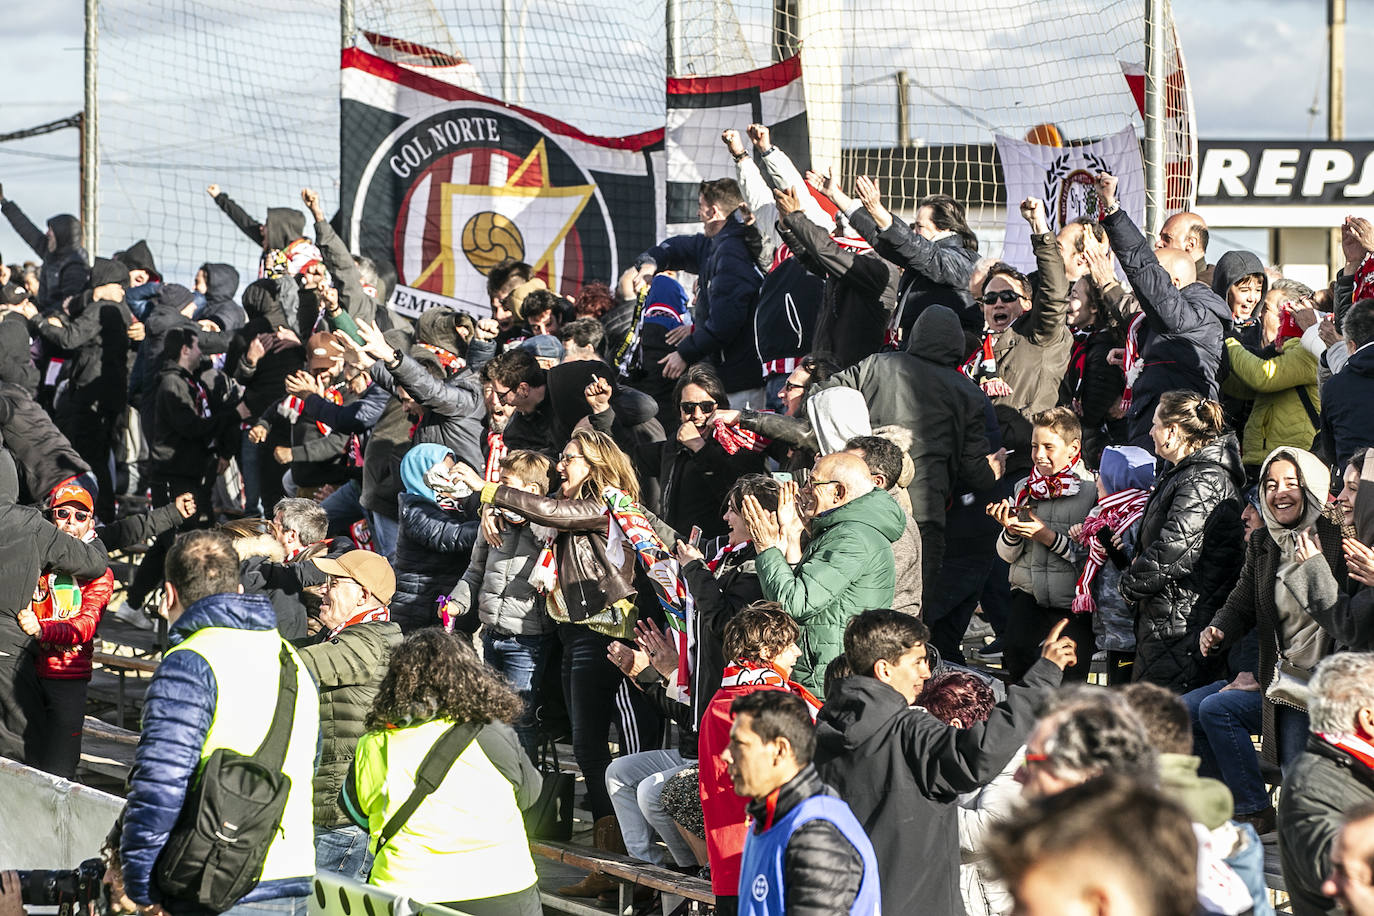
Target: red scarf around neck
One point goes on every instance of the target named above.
(745, 673)
(1050, 486)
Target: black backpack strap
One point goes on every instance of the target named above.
(272, 752)
(1312, 416)
(433, 769)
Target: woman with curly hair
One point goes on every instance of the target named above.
(465, 845)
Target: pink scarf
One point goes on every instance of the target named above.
(1118, 511)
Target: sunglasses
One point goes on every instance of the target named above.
(1005, 295)
(792, 386)
(565, 458)
(66, 513)
(689, 407)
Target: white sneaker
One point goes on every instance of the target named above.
(133, 616)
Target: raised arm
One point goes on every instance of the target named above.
(237, 215)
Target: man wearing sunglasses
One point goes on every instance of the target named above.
(63, 617)
(30, 545)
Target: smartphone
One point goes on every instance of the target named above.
(1023, 513)
(694, 539)
(781, 476)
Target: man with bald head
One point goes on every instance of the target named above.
(1187, 232)
(1178, 339)
(847, 567)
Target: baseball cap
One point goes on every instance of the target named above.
(71, 493)
(323, 349)
(368, 569)
(543, 346)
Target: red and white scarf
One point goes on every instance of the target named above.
(1132, 362)
(496, 452)
(1364, 279)
(1050, 486)
(368, 616)
(1118, 511)
(451, 362)
(735, 438)
(981, 367)
(745, 673)
(714, 563)
(1358, 748)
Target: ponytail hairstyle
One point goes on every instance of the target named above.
(1199, 420)
(948, 215)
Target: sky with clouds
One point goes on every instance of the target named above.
(1256, 66)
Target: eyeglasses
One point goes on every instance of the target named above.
(691, 407)
(1005, 295)
(565, 458)
(792, 386)
(502, 395)
(813, 483)
(65, 513)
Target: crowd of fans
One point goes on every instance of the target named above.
(749, 508)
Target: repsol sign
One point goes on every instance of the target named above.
(1300, 172)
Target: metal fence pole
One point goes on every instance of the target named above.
(90, 138)
(1156, 14)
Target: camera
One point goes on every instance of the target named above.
(82, 886)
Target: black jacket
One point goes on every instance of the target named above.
(265, 381)
(728, 294)
(785, 320)
(221, 283)
(860, 290)
(1318, 788)
(283, 225)
(379, 416)
(96, 334)
(16, 356)
(1092, 387)
(284, 584)
(695, 483)
(184, 425)
(454, 409)
(162, 318)
(822, 871)
(933, 273)
(45, 457)
(1192, 550)
(923, 390)
(1346, 397)
(1182, 338)
(65, 271)
(433, 547)
(901, 770)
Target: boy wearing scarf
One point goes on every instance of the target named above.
(1109, 534)
(1035, 542)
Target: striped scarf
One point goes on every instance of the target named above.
(1133, 362)
(496, 452)
(1050, 486)
(1117, 512)
(744, 673)
(735, 438)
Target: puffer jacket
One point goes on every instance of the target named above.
(347, 669)
(1318, 788)
(454, 409)
(68, 642)
(183, 701)
(497, 584)
(433, 544)
(1279, 417)
(933, 273)
(1181, 338)
(1193, 544)
(923, 390)
(65, 270)
(847, 568)
(726, 300)
(1038, 570)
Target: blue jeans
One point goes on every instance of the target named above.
(521, 659)
(279, 906)
(343, 850)
(342, 508)
(383, 534)
(1222, 725)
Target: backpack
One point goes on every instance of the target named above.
(215, 853)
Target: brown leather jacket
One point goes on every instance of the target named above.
(588, 579)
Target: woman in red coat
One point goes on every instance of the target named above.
(761, 643)
(63, 617)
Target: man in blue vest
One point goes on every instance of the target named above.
(805, 852)
(210, 692)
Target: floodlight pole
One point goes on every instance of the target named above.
(90, 135)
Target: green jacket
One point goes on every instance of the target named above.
(348, 669)
(1279, 417)
(846, 569)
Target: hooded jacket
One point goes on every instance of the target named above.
(221, 284)
(728, 294)
(901, 771)
(65, 269)
(933, 273)
(1234, 266)
(846, 569)
(139, 256)
(1181, 338)
(96, 333)
(1192, 543)
(923, 390)
(433, 544)
(44, 455)
(1346, 397)
(29, 544)
(164, 316)
(860, 290)
(264, 381)
(16, 356)
(184, 427)
(282, 227)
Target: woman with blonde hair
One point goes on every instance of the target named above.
(587, 569)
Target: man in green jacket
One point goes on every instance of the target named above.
(348, 660)
(846, 569)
